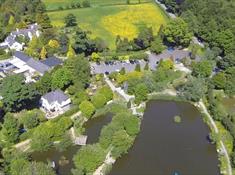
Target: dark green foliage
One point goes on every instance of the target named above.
(80, 69)
(219, 80)
(10, 130)
(88, 159)
(157, 46)
(44, 84)
(193, 90)
(107, 133)
(121, 121)
(98, 100)
(177, 32)
(143, 40)
(137, 68)
(30, 120)
(132, 126)
(146, 67)
(63, 41)
(16, 93)
(87, 108)
(43, 20)
(227, 61)
(121, 142)
(123, 71)
(122, 44)
(107, 92)
(230, 77)
(28, 168)
(140, 92)
(83, 44)
(81, 95)
(70, 20)
(202, 69)
(61, 78)
(86, 3)
(47, 133)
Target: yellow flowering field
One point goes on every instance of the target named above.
(109, 21)
(125, 23)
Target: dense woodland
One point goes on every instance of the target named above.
(211, 20)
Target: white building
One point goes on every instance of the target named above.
(10, 41)
(31, 67)
(55, 102)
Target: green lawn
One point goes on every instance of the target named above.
(107, 22)
(55, 4)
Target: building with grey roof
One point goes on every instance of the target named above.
(55, 102)
(10, 41)
(52, 61)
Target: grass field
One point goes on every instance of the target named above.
(109, 21)
(55, 4)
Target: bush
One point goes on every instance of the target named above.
(140, 92)
(88, 159)
(177, 119)
(87, 108)
(98, 100)
(132, 125)
(80, 96)
(107, 92)
(86, 3)
(137, 68)
(138, 56)
(121, 142)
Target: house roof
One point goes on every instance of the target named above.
(36, 65)
(22, 56)
(56, 95)
(52, 61)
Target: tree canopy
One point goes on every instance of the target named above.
(16, 93)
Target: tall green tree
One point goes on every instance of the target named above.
(10, 130)
(70, 20)
(16, 93)
(193, 90)
(61, 78)
(202, 69)
(177, 32)
(80, 69)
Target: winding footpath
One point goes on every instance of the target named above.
(224, 151)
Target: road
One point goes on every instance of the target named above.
(153, 59)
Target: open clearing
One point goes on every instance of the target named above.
(109, 21)
(55, 4)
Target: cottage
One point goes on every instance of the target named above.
(10, 41)
(55, 102)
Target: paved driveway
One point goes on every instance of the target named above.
(153, 60)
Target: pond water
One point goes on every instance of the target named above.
(229, 104)
(165, 147)
(64, 159)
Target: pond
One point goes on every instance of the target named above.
(165, 147)
(64, 159)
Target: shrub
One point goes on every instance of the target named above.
(87, 108)
(107, 92)
(98, 100)
(86, 3)
(121, 143)
(88, 159)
